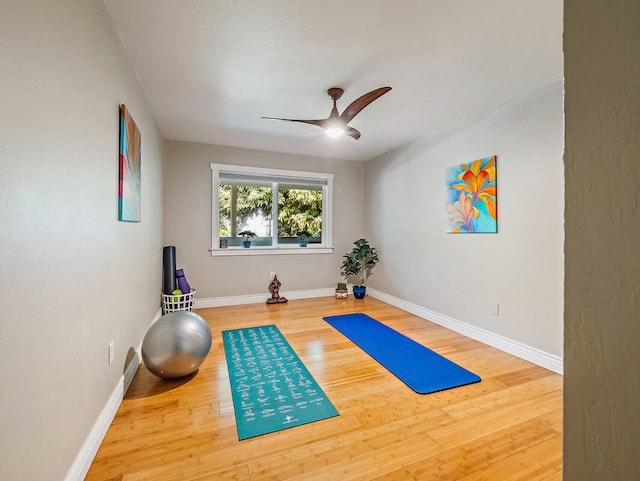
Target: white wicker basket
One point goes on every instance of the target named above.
(183, 302)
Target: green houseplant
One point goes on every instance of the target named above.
(358, 264)
(247, 234)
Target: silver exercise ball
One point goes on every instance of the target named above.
(176, 344)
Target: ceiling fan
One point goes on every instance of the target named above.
(336, 124)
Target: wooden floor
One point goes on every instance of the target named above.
(507, 427)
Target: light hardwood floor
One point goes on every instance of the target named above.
(507, 427)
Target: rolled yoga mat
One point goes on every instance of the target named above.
(169, 269)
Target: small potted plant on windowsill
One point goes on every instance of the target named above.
(247, 234)
(357, 264)
(303, 238)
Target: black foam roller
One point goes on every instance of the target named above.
(169, 269)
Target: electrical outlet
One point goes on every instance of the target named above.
(271, 275)
(111, 352)
(495, 308)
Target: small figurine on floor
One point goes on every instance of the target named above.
(274, 287)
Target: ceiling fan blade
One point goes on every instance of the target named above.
(358, 104)
(319, 123)
(350, 131)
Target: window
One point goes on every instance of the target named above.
(277, 206)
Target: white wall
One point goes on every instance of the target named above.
(460, 275)
(187, 222)
(602, 287)
(73, 278)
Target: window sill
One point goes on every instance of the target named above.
(269, 251)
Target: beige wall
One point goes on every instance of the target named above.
(187, 222)
(602, 286)
(72, 278)
(461, 275)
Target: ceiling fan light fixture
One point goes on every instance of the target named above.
(334, 132)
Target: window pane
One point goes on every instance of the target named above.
(299, 210)
(245, 207)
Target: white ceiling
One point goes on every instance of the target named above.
(211, 68)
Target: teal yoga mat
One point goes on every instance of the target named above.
(271, 387)
(420, 368)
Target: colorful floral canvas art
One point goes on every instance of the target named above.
(130, 171)
(472, 197)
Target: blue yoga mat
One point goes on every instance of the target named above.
(418, 367)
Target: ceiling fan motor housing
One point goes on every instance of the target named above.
(335, 92)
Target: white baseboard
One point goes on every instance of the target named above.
(260, 298)
(82, 463)
(528, 353)
(523, 351)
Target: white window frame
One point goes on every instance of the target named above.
(326, 244)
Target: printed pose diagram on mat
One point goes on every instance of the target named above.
(271, 387)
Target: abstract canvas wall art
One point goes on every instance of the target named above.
(472, 197)
(130, 169)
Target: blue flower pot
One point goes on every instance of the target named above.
(359, 291)
(246, 244)
(303, 243)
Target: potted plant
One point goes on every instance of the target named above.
(303, 238)
(357, 264)
(341, 290)
(247, 234)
